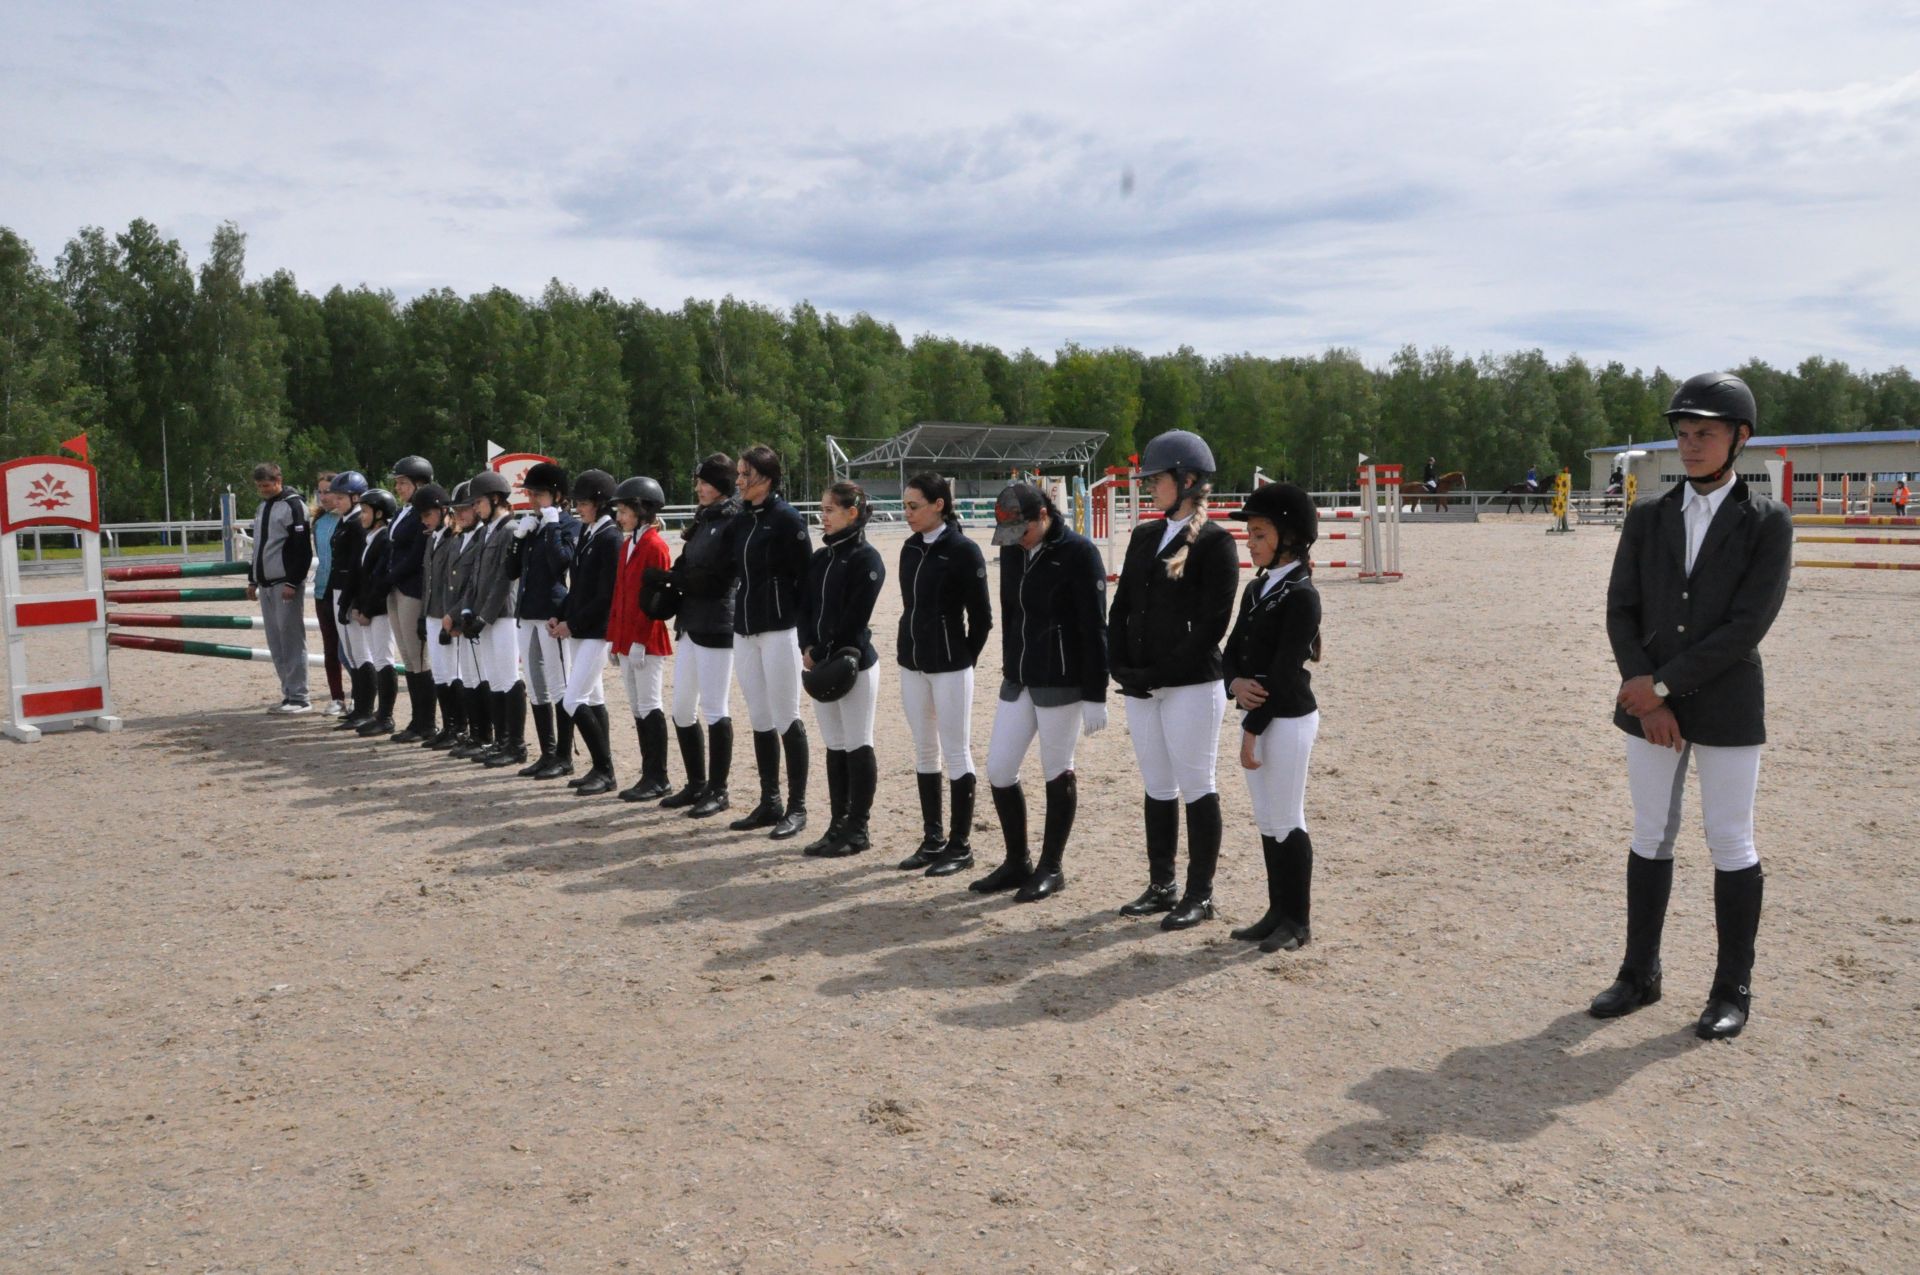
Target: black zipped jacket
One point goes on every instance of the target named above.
(1271, 642)
(1166, 632)
(596, 563)
(844, 580)
(540, 562)
(946, 610)
(348, 539)
(407, 560)
(705, 575)
(1053, 606)
(372, 578)
(772, 548)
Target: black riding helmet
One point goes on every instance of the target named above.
(381, 501)
(491, 484)
(643, 493)
(462, 496)
(429, 496)
(1288, 508)
(833, 677)
(595, 485)
(546, 476)
(1182, 453)
(415, 468)
(1717, 396)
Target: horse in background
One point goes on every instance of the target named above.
(1529, 497)
(1411, 494)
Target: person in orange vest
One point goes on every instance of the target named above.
(1900, 499)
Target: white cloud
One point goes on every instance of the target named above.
(1660, 182)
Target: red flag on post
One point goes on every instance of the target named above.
(77, 445)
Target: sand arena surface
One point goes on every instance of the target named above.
(271, 1000)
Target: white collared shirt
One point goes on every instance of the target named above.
(1699, 509)
(1275, 577)
(935, 534)
(1174, 527)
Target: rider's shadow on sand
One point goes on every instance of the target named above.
(1492, 1093)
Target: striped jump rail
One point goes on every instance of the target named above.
(1854, 520)
(176, 570)
(160, 620)
(177, 595)
(1857, 566)
(220, 650)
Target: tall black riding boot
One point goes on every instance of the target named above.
(828, 842)
(498, 738)
(592, 728)
(1063, 800)
(419, 709)
(561, 763)
(1163, 841)
(863, 778)
(387, 682)
(957, 854)
(1736, 919)
(479, 723)
(719, 770)
(1276, 914)
(1203, 859)
(515, 752)
(1649, 885)
(652, 785)
(693, 760)
(361, 711)
(931, 842)
(1296, 883)
(793, 741)
(766, 760)
(543, 735)
(1010, 804)
(453, 718)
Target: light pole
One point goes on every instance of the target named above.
(166, 482)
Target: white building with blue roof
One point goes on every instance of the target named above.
(1820, 461)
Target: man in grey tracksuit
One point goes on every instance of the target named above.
(282, 555)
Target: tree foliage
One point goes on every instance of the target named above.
(183, 379)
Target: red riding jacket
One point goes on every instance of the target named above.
(628, 626)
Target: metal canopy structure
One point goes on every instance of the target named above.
(946, 446)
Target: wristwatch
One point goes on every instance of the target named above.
(1660, 689)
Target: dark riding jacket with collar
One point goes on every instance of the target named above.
(1272, 641)
(1700, 633)
(1053, 608)
(1166, 632)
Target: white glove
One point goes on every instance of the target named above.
(551, 514)
(1093, 717)
(523, 525)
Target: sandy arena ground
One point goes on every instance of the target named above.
(275, 1001)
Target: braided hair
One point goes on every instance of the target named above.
(1198, 493)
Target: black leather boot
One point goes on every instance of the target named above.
(1296, 883)
(498, 707)
(453, 718)
(515, 752)
(719, 770)
(957, 854)
(591, 725)
(1163, 841)
(828, 842)
(653, 783)
(863, 778)
(1010, 804)
(479, 723)
(1649, 885)
(1203, 859)
(693, 760)
(1736, 920)
(387, 682)
(793, 742)
(1276, 910)
(561, 763)
(766, 760)
(931, 842)
(632, 791)
(419, 711)
(361, 711)
(1063, 800)
(543, 735)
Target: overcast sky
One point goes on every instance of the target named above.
(1683, 184)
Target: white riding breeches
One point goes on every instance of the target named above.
(1279, 787)
(1176, 738)
(499, 646)
(644, 676)
(586, 660)
(700, 678)
(939, 709)
(442, 660)
(1729, 779)
(768, 665)
(373, 642)
(1015, 723)
(847, 723)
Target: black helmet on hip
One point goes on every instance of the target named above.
(642, 493)
(381, 501)
(833, 677)
(546, 476)
(1288, 508)
(413, 468)
(595, 485)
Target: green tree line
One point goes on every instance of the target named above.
(183, 378)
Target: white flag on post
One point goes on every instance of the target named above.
(494, 449)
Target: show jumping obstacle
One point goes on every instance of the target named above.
(177, 646)
(52, 491)
(1856, 520)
